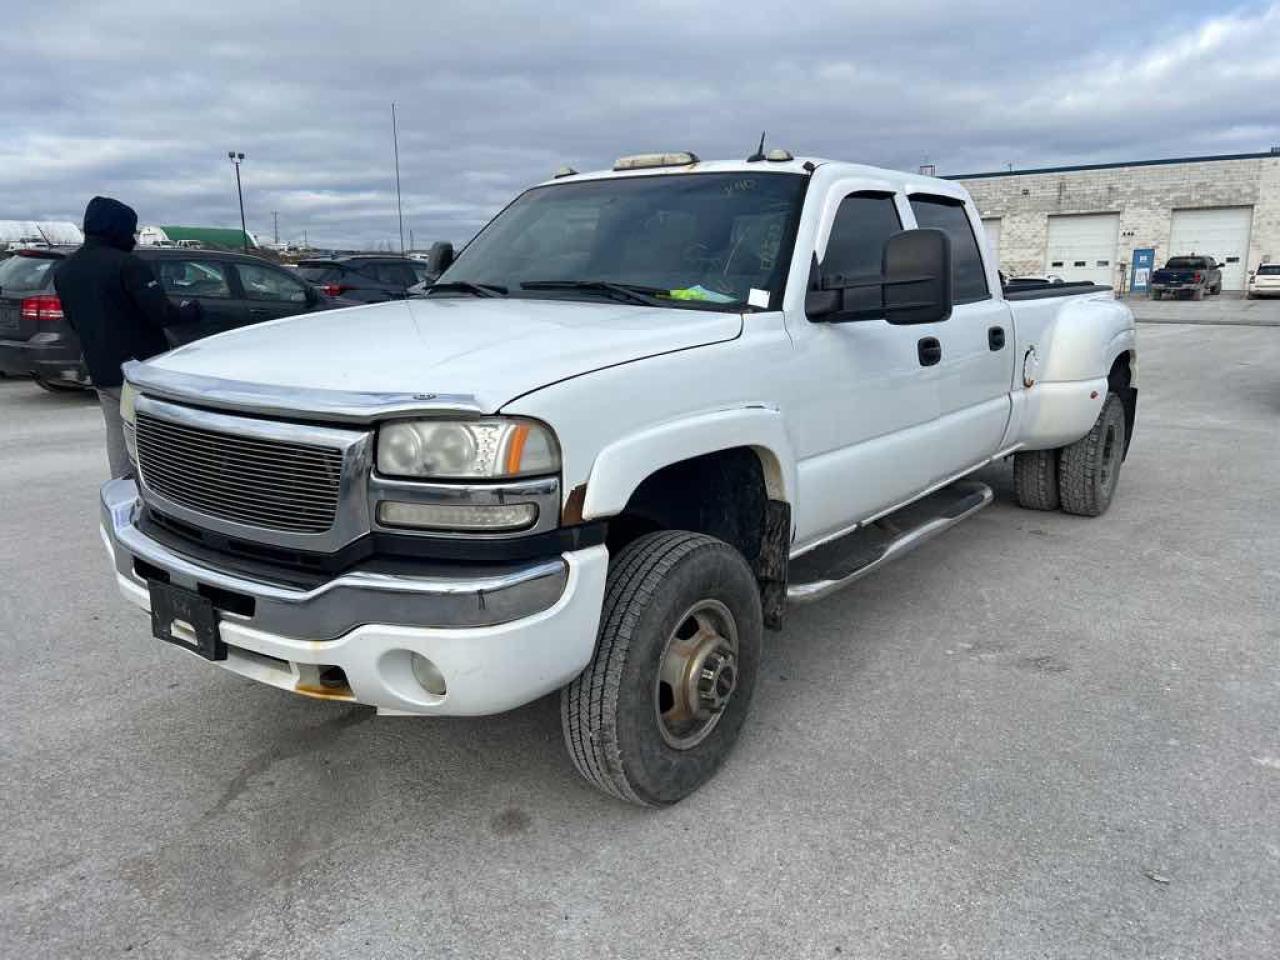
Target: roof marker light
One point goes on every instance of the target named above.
(778, 155)
(641, 161)
(565, 171)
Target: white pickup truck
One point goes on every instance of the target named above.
(640, 412)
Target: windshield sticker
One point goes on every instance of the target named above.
(700, 292)
(758, 298)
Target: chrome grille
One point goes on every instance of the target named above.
(264, 483)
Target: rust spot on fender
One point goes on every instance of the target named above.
(572, 512)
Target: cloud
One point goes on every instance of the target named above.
(143, 101)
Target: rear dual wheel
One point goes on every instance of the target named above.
(662, 702)
(1079, 478)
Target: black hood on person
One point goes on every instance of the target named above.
(111, 222)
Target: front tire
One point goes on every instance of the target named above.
(1089, 469)
(663, 700)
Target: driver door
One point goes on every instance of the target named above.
(207, 283)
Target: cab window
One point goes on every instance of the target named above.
(267, 283)
(192, 278)
(863, 225)
(969, 276)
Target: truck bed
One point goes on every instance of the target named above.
(1036, 290)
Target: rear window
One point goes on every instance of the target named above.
(26, 273)
(319, 273)
(1269, 270)
(1186, 263)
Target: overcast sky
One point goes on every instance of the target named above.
(143, 100)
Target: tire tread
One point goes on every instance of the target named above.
(1079, 462)
(588, 703)
(1035, 479)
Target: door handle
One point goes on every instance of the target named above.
(995, 338)
(929, 350)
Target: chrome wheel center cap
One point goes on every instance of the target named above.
(716, 679)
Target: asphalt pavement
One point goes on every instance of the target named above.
(1037, 736)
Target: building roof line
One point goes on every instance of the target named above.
(1273, 152)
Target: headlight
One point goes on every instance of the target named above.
(489, 449)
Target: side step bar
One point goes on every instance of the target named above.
(827, 568)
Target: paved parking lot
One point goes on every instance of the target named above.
(1038, 736)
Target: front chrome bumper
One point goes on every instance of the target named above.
(473, 599)
(498, 641)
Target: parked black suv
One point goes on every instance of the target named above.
(365, 278)
(233, 290)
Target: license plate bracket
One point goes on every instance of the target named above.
(186, 619)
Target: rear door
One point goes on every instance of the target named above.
(269, 292)
(206, 281)
(976, 368)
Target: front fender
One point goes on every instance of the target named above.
(624, 464)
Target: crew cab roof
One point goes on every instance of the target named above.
(806, 166)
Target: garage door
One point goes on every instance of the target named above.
(992, 229)
(1218, 232)
(1083, 247)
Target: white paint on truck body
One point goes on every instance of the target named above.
(846, 420)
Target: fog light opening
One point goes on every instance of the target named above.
(427, 674)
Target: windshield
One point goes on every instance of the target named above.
(1269, 270)
(702, 240)
(26, 273)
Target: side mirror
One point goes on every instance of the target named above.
(439, 257)
(914, 285)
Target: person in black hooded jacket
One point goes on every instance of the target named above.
(117, 308)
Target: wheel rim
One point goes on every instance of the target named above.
(698, 674)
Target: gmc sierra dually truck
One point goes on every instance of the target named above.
(639, 413)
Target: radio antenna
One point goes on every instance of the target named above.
(759, 154)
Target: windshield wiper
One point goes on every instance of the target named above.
(466, 286)
(634, 292)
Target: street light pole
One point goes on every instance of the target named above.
(235, 159)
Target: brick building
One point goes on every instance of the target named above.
(1086, 222)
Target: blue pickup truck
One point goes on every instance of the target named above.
(1187, 276)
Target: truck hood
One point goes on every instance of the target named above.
(491, 350)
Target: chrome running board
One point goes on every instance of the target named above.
(834, 565)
